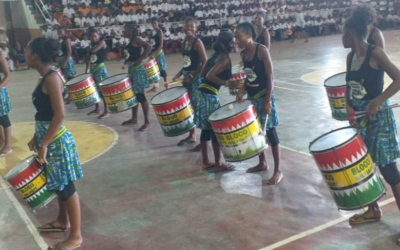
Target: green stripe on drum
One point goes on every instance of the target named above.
(40, 199)
(180, 128)
(340, 114)
(88, 101)
(124, 105)
(155, 78)
(245, 150)
(360, 196)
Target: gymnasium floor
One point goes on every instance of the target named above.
(140, 191)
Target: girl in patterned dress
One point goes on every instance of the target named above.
(259, 87)
(137, 74)
(65, 61)
(157, 41)
(366, 65)
(194, 58)
(5, 109)
(95, 63)
(216, 73)
(56, 146)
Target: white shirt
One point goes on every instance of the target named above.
(133, 18)
(77, 41)
(91, 21)
(102, 20)
(69, 12)
(115, 41)
(300, 20)
(175, 37)
(120, 18)
(182, 35)
(85, 44)
(198, 14)
(209, 22)
(55, 34)
(79, 21)
(167, 35)
(47, 34)
(106, 31)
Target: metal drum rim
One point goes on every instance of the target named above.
(89, 76)
(327, 79)
(104, 85)
(335, 147)
(162, 104)
(31, 159)
(233, 116)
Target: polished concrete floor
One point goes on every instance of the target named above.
(141, 191)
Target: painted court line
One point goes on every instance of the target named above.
(294, 150)
(301, 85)
(318, 229)
(295, 90)
(21, 212)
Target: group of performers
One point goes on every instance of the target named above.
(203, 77)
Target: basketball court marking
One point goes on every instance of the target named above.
(318, 229)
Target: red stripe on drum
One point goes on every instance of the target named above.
(336, 92)
(232, 124)
(26, 176)
(81, 86)
(173, 107)
(115, 89)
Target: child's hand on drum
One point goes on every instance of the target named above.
(32, 144)
(239, 97)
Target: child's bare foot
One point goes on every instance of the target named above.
(276, 178)
(94, 112)
(258, 168)
(129, 122)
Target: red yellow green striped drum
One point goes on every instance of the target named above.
(29, 179)
(335, 88)
(83, 91)
(152, 70)
(118, 93)
(174, 111)
(61, 74)
(238, 131)
(347, 168)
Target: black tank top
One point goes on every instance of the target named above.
(210, 87)
(367, 82)
(255, 75)
(260, 39)
(134, 53)
(370, 39)
(41, 101)
(63, 49)
(191, 58)
(155, 40)
(101, 55)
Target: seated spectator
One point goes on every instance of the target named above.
(84, 10)
(118, 45)
(79, 21)
(83, 48)
(91, 20)
(65, 22)
(69, 11)
(102, 19)
(232, 20)
(19, 55)
(55, 31)
(94, 10)
(176, 41)
(144, 37)
(5, 51)
(46, 32)
(75, 46)
(167, 39)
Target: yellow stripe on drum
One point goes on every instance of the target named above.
(152, 71)
(337, 102)
(114, 99)
(177, 117)
(239, 136)
(33, 186)
(352, 175)
(83, 93)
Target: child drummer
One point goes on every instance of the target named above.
(95, 62)
(259, 73)
(5, 109)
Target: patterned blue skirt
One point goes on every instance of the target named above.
(273, 119)
(207, 104)
(62, 156)
(380, 134)
(161, 61)
(5, 104)
(69, 71)
(193, 88)
(99, 74)
(138, 78)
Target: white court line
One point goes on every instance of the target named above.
(301, 85)
(295, 89)
(24, 216)
(294, 150)
(318, 229)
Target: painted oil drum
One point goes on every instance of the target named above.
(174, 111)
(83, 91)
(335, 88)
(237, 75)
(29, 179)
(118, 93)
(238, 131)
(61, 74)
(152, 70)
(347, 168)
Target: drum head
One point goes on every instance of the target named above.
(336, 80)
(168, 95)
(78, 79)
(237, 71)
(114, 79)
(333, 139)
(226, 111)
(19, 168)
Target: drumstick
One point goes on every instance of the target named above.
(359, 114)
(167, 85)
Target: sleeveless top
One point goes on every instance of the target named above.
(191, 58)
(260, 39)
(63, 49)
(367, 82)
(155, 40)
(370, 39)
(255, 75)
(134, 52)
(41, 101)
(98, 57)
(208, 86)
